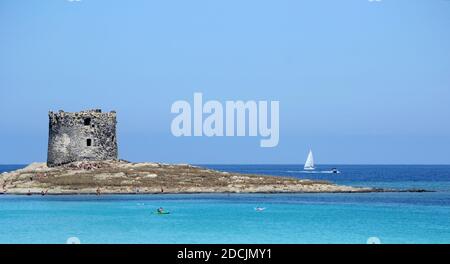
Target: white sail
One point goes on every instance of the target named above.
(309, 164)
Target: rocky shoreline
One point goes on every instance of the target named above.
(122, 177)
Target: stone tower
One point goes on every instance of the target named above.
(85, 135)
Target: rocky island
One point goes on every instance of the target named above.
(122, 177)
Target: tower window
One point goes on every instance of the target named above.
(87, 121)
(88, 142)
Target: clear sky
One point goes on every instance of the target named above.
(358, 81)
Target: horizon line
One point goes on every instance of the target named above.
(299, 164)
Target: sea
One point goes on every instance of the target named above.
(358, 218)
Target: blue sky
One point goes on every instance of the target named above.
(358, 81)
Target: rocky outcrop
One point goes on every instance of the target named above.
(115, 177)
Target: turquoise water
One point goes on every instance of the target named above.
(221, 218)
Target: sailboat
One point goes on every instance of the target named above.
(309, 164)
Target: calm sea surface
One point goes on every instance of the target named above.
(222, 218)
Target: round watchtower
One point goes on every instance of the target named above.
(79, 136)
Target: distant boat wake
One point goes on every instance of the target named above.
(310, 168)
(308, 171)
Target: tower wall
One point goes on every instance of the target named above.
(79, 136)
